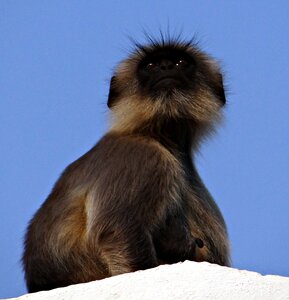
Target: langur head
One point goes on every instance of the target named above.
(167, 80)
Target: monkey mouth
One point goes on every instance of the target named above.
(167, 82)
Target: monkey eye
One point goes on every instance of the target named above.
(150, 66)
(181, 63)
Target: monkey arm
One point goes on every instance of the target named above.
(133, 188)
(125, 245)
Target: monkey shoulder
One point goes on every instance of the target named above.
(116, 159)
(130, 150)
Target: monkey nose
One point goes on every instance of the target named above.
(166, 65)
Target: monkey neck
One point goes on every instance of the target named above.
(176, 135)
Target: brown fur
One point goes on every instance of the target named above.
(135, 200)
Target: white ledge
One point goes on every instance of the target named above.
(188, 280)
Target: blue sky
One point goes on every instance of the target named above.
(56, 61)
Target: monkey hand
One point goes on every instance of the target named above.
(184, 247)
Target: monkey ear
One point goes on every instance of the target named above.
(219, 89)
(112, 96)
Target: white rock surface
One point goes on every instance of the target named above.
(188, 280)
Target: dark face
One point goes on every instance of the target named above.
(164, 70)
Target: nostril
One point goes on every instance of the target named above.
(166, 65)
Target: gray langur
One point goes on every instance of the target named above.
(135, 200)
